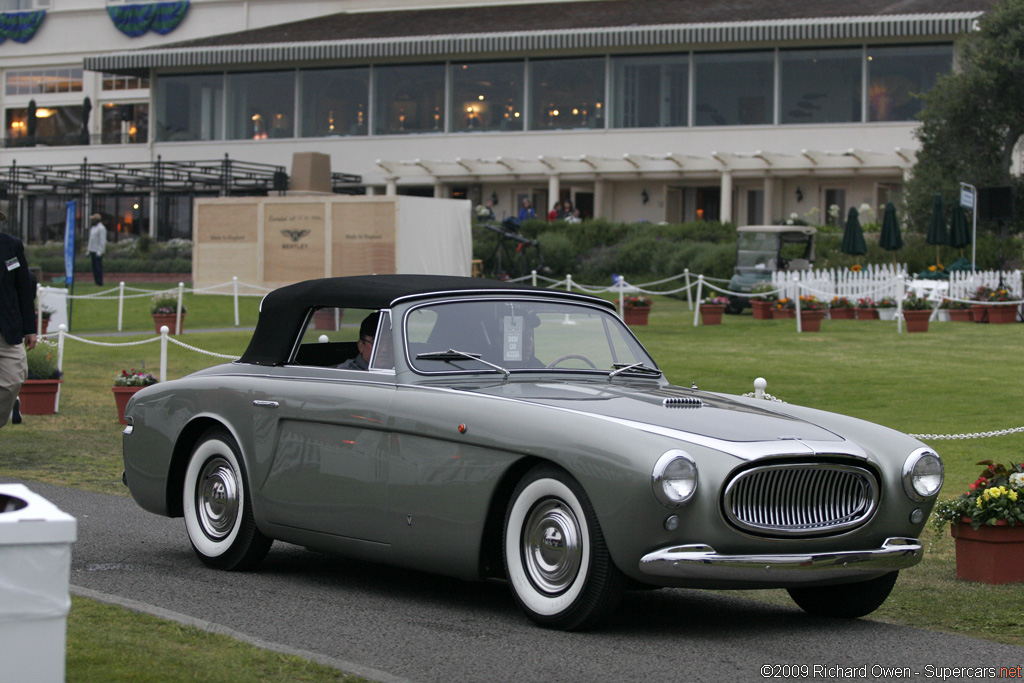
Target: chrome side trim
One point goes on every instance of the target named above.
(701, 563)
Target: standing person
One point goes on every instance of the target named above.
(17, 323)
(97, 245)
(526, 212)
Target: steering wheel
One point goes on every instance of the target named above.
(569, 357)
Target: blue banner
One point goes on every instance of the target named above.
(69, 244)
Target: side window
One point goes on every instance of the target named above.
(330, 337)
(383, 345)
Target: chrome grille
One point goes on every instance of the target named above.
(801, 499)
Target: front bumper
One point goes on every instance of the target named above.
(700, 563)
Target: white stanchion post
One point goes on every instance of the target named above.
(61, 331)
(799, 320)
(39, 313)
(621, 284)
(533, 277)
(899, 306)
(689, 292)
(164, 331)
(120, 307)
(568, 283)
(177, 322)
(759, 386)
(234, 286)
(700, 294)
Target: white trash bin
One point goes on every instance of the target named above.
(35, 568)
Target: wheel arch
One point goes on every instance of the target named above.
(183, 447)
(492, 564)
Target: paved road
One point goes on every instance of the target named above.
(393, 625)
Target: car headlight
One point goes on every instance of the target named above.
(922, 474)
(674, 478)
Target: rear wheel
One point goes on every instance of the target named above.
(555, 554)
(217, 506)
(847, 600)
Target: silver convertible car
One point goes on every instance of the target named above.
(503, 431)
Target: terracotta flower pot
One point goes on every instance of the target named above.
(917, 321)
(961, 315)
(842, 313)
(810, 321)
(169, 319)
(783, 313)
(636, 316)
(762, 309)
(867, 313)
(989, 554)
(121, 396)
(39, 396)
(1001, 315)
(711, 314)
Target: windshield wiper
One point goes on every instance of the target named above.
(633, 367)
(453, 354)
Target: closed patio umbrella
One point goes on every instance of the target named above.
(853, 236)
(937, 227)
(959, 232)
(891, 238)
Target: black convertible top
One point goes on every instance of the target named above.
(283, 311)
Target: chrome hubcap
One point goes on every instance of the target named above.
(217, 498)
(552, 547)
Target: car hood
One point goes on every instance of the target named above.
(714, 420)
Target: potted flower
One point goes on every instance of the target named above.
(712, 308)
(126, 384)
(165, 311)
(763, 297)
(865, 309)
(635, 309)
(784, 308)
(990, 310)
(886, 308)
(812, 311)
(39, 392)
(840, 308)
(916, 312)
(987, 522)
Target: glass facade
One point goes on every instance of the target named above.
(897, 74)
(124, 124)
(820, 86)
(651, 92)
(335, 102)
(742, 88)
(567, 93)
(487, 96)
(51, 126)
(44, 81)
(734, 88)
(410, 99)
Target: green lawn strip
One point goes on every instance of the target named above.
(111, 643)
(956, 378)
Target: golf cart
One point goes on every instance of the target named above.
(764, 249)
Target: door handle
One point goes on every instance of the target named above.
(266, 404)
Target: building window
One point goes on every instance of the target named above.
(820, 86)
(44, 81)
(650, 92)
(21, 5)
(733, 89)
(896, 75)
(260, 105)
(119, 82)
(53, 127)
(335, 102)
(189, 107)
(124, 124)
(567, 93)
(410, 99)
(487, 96)
(835, 206)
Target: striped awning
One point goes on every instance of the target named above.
(531, 42)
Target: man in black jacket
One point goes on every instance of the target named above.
(17, 321)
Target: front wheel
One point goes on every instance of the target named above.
(555, 554)
(847, 600)
(217, 506)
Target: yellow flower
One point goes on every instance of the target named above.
(856, 268)
(1012, 495)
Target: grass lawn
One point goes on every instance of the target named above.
(956, 378)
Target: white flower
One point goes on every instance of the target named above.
(1017, 480)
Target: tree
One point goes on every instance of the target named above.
(973, 118)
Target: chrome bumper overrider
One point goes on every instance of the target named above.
(701, 562)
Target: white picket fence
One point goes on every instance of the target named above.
(963, 285)
(874, 281)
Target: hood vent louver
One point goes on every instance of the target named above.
(682, 402)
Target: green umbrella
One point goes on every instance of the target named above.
(937, 227)
(959, 232)
(891, 238)
(853, 236)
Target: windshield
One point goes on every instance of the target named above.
(763, 250)
(519, 335)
